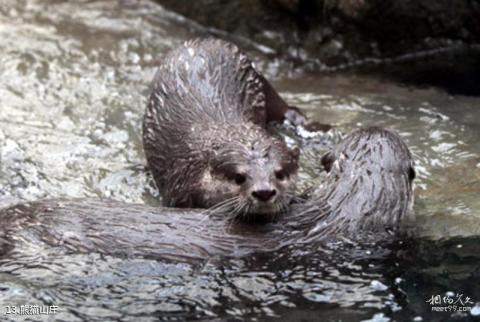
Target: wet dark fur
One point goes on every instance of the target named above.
(205, 132)
(368, 187)
(366, 195)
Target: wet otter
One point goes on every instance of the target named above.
(367, 191)
(205, 133)
(368, 187)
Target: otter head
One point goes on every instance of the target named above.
(371, 149)
(251, 180)
(369, 183)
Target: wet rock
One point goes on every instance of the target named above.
(341, 32)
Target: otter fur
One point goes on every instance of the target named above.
(367, 193)
(206, 137)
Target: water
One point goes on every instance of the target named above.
(74, 81)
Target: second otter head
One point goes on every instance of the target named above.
(369, 185)
(251, 180)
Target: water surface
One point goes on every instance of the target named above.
(74, 77)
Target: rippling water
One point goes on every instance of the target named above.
(74, 76)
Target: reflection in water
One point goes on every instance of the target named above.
(74, 78)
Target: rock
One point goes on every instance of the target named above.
(340, 32)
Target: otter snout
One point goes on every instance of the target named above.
(264, 195)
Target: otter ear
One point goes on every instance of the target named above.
(295, 152)
(327, 160)
(411, 173)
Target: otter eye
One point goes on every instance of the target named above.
(281, 175)
(411, 173)
(239, 178)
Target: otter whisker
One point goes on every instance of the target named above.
(237, 210)
(232, 217)
(222, 207)
(214, 211)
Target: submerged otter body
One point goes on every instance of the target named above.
(205, 133)
(367, 192)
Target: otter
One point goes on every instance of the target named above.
(205, 133)
(368, 187)
(367, 192)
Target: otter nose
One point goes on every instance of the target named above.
(264, 195)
